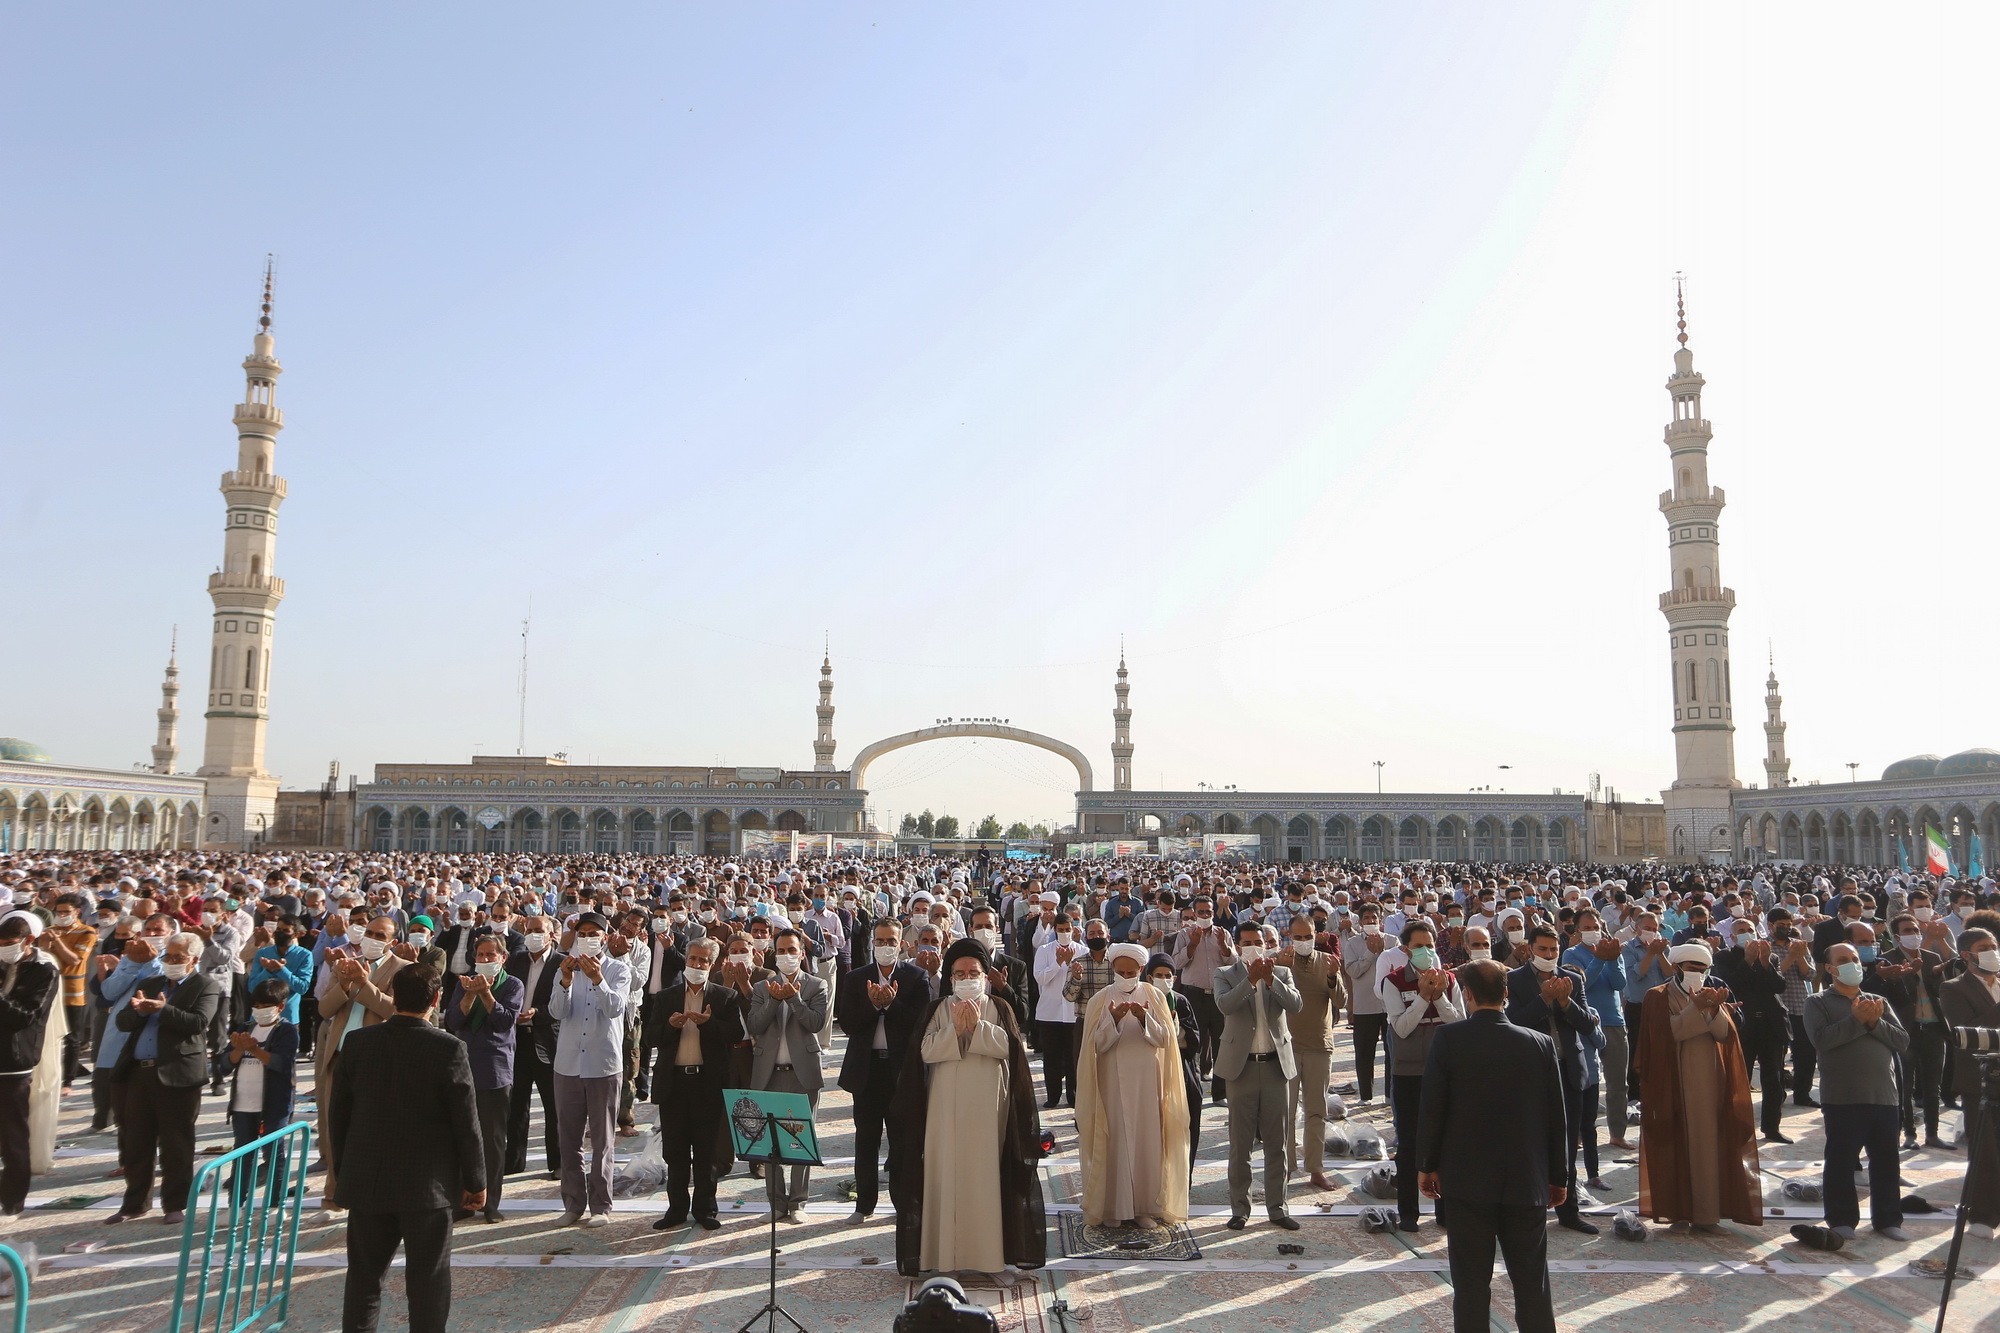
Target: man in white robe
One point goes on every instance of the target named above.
(1131, 1111)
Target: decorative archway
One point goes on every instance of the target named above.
(993, 731)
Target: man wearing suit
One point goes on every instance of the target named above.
(403, 1132)
(536, 968)
(1007, 979)
(1322, 984)
(1547, 996)
(1972, 1000)
(787, 1014)
(164, 1067)
(1256, 1064)
(879, 1006)
(1490, 1147)
(700, 1021)
(482, 1011)
(29, 993)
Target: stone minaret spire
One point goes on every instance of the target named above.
(1776, 766)
(242, 797)
(823, 743)
(1121, 738)
(1697, 609)
(165, 751)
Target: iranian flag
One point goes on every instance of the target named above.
(1939, 861)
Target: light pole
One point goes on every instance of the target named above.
(1853, 772)
(1378, 776)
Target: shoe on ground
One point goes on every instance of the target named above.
(1286, 1222)
(1236, 1223)
(1805, 1101)
(710, 1222)
(173, 1219)
(1578, 1224)
(1597, 1183)
(1981, 1230)
(1584, 1200)
(1891, 1233)
(116, 1218)
(462, 1215)
(670, 1221)
(1818, 1238)
(552, 1175)
(492, 1219)
(1845, 1233)
(325, 1217)
(1910, 1144)
(1776, 1138)
(857, 1217)
(1933, 1141)
(1408, 1224)
(596, 1220)
(115, 1173)
(792, 1217)
(569, 1219)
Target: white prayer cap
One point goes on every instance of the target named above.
(34, 922)
(1689, 953)
(1132, 951)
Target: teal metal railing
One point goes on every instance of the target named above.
(244, 1210)
(19, 1271)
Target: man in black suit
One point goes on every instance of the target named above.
(1007, 979)
(402, 1133)
(1547, 996)
(697, 1023)
(536, 968)
(1491, 1143)
(163, 1068)
(879, 1006)
(29, 989)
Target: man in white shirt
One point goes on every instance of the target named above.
(589, 1002)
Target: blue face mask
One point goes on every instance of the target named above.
(1867, 952)
(1424, 958)
(1848, 974)
(819, 904)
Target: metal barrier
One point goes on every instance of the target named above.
(253, 1198)
(19, 1272)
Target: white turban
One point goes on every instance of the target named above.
(34, 922)
(1689, 953)
(1132, 951)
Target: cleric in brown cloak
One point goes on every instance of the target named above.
(1698, 1145)
(965, 1102)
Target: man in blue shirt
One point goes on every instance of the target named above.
(1120, 911)
(1602, 962)
(283, 959)
(1646, 966)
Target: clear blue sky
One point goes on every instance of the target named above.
(1316, 349)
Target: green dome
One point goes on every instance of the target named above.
(23, 752)
(1916, 766)
(1967, 762)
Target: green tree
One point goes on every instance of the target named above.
(909, 826)
(989, 827)
(1018, 830)
(926, 826)
(1040, 831)
(946, 826)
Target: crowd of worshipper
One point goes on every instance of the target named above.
(1141, 991)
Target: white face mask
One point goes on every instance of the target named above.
(886, 955)
(708, 916)
(491, 969)
(663, 925)
(1371, 930)
(265, 1018)
(1593, 938)
(1987, 961)
(1128, 985)
(987, 937)
(11, 953)
(1910, 941)
(1543, 964)
(1478, 953)
(536, 943)
(356, 934)
(969, 988)
(1164, 983)
(695, 976)
(1922, 913)
(1251, 952)
(788, 964)
(1303, 947)
(589, 946)
(740, 959)
(175, 971)
(372, 948)
(1516, 936)
(1736, 911)
(1648, 936)
(419, 938)
(1693, 981)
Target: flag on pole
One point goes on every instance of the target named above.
(1976, 862)
(1938, 851)
(1902, 854)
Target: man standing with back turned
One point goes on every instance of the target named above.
(1492, 1147)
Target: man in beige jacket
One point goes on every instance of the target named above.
(1322, 986)
(354, 993)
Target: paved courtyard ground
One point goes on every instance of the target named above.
(526, 1274)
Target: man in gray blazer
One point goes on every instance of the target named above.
(787, 1014)
(1255, 1060)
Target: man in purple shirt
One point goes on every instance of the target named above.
(480, 1012)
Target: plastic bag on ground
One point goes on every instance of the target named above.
(645, 1173)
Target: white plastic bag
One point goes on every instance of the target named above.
(644, 1174)
(1365, 1143)
(1336, 1106)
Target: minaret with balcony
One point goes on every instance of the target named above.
(166, 747)
(242, 797)
(1777, 767)
(1697, 609)
(823, 741)
(1121, 736)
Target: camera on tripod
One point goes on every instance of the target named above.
(1979, 1041)
(940, 1307)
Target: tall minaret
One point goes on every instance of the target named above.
(1777, 768)
(242, 797)
(165, 751)
(1121, 737)
(1697, 609)
(823, 743)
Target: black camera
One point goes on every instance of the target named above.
(1977, 1041)
(940, 1307)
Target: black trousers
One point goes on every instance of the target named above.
(871, 1119)
(1850, 1130)
(690, 1118)
(14, 1143)
(1471, 1232)
(1922, 1071)
(1805, 1060)
(157, 1121)
(1575, 1101)
(76, 1025)
(425, 1235)
(1764, 1051)
(1405, 1100)
(1368, 1035)
(1210, 1019)
(531, 1076)
(1058, 1059)
(1632, 1015)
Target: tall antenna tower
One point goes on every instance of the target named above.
(521, 734)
